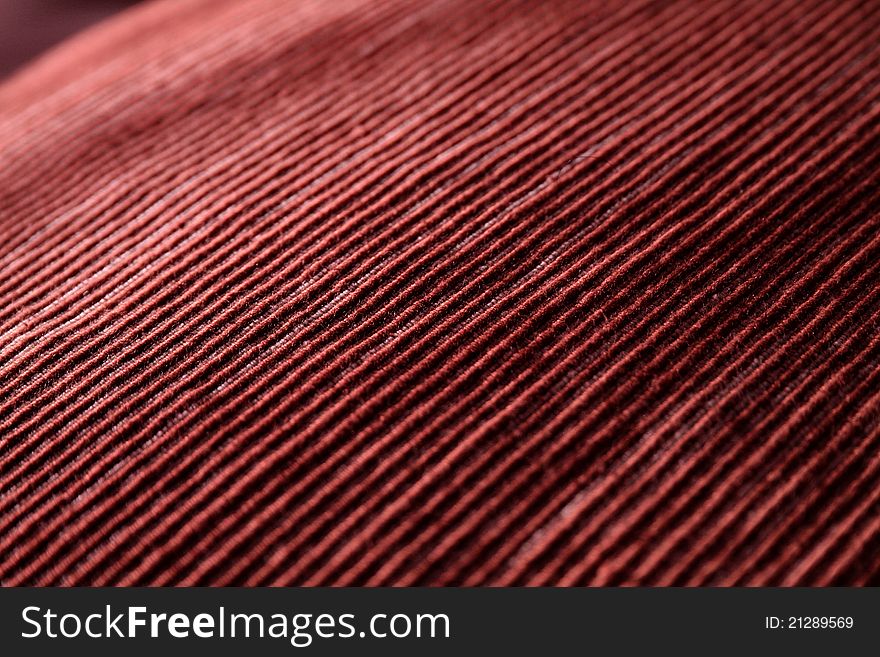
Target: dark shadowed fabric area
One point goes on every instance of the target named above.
(440, 292)
(27, 27)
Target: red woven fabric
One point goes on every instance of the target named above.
(444, 292)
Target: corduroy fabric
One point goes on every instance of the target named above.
(444, 292)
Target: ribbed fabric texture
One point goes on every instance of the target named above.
(444, 292)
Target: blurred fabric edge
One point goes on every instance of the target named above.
(30, 27)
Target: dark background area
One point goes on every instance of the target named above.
(29, 27)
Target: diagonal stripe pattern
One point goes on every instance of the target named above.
(385, 292)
